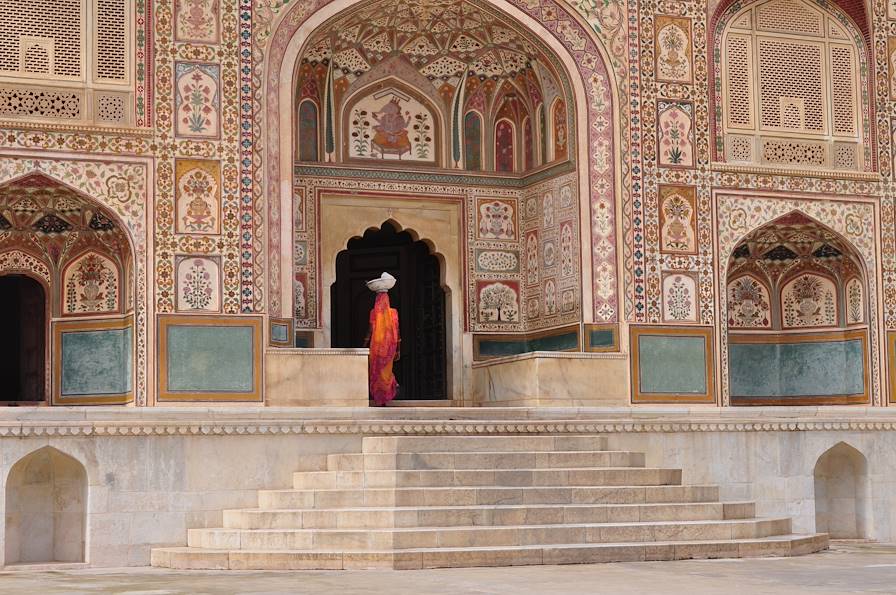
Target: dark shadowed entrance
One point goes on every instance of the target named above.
(22, 339)
(418, 296)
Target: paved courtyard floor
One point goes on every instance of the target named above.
(846, 568)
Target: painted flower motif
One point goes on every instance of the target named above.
(118, 188)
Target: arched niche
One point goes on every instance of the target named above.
(842, 498)
(83, 252)
(788, 312)
(46, 509)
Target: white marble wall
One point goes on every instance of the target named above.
(154, 473)
(776, 469)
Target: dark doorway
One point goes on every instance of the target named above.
(22, 339)
(418, 296)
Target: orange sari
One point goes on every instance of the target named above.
(384, 338)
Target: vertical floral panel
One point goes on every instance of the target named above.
(198, 196)
(196, 21)
(532, 257)
(673, 49)
(550, 297)
(309, 135)
(679, 298)
(498, 302)
(567, 249)
(504, 151)
(749, 305)
(855, 302)
(547, 209)
(197, 100)
(300, 296)
(391, 125)
(678, 233)
(91, 284)
(560, 128)
(809, 300)
(675, 134)
(497, 219)
(472, 141)
(198, 284)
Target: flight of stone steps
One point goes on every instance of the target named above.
(430, 502)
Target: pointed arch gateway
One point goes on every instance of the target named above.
(591, 143)
(795, 309)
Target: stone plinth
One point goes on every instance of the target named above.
(552, 379)
(316, 378)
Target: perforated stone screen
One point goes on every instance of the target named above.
(790, 74)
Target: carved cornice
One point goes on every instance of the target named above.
(429, 428)
(7, 124)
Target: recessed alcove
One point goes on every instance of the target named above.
(841, 493)
(46, 509)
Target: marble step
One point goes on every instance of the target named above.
(541, 514)
(188, 558)
(483, 495)
(427, 444)
(485, 460)
(580, 476)
(478, 536)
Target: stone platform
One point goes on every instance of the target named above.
(162, 478)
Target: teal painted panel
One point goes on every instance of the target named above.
(674, 365)
(96, 362)
(279, 333)
(830, 368)
(565, 342)
(496, 348)
(601, 338)
(210, 359)
(505, 347)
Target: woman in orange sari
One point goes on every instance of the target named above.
(384, 340)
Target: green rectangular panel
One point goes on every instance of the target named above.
(672, 365)
(598, 338)
(501, 348)
(279, 332)
(215, 359)
(775, 370)
(96, 362)
(565, 342)
(505, 347)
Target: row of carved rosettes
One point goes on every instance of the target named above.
(447, 428)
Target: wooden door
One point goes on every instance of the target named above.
(22, 339)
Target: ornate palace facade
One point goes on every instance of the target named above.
(619, 202)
